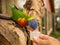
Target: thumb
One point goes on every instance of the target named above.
(35, 40)
(42, 36)
(41, 41)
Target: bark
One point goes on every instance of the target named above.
(12, 34)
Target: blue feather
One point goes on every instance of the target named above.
(33, 24)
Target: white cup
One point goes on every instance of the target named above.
(34, 34)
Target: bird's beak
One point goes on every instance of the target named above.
(30, 29)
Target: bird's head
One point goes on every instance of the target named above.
(32, 24)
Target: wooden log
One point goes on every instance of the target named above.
(10, 34)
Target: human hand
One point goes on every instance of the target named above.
(45, 40)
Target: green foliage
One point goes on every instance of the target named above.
(56, 35)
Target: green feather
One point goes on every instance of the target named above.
(30, 18)
(19, 14)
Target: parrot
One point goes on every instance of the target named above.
(23, 19)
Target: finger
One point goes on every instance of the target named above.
(35, 43)
(38, 40)
(43, 42)
(35, 39)
(46, 37)
(42, 36)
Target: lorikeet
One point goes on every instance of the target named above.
(23, 19)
